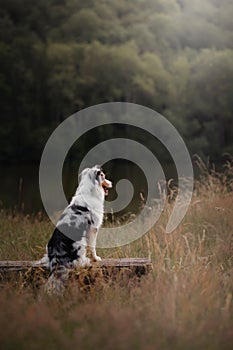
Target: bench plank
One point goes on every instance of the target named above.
(140, 266)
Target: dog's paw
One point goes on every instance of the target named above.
(97, 258)
(43, 261)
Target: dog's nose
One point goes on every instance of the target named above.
(107, 183)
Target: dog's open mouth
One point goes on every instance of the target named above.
(105, 190)
(106, 185)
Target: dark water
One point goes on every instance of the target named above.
(20, 184)
(20, 188)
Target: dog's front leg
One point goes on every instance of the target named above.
(92, 243)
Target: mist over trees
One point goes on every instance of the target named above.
(59, 56)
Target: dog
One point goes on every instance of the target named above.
(77, 228)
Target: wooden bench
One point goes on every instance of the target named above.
(34, 271)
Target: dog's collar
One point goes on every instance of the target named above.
(79, 207)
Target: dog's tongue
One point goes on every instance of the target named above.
(105, 191)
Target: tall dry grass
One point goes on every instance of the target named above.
(184, 303)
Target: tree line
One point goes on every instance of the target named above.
(60, 56)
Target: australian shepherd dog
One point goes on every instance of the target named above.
(77, 228)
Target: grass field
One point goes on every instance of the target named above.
(184, 303)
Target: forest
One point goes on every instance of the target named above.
(60, 56)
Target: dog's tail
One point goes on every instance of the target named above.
(57, 281)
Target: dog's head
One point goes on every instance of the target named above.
(97, 177)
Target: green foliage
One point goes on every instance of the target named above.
(59, 56)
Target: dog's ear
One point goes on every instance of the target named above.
(97, 168)
(83, 173)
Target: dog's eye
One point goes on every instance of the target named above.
(98, 173)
